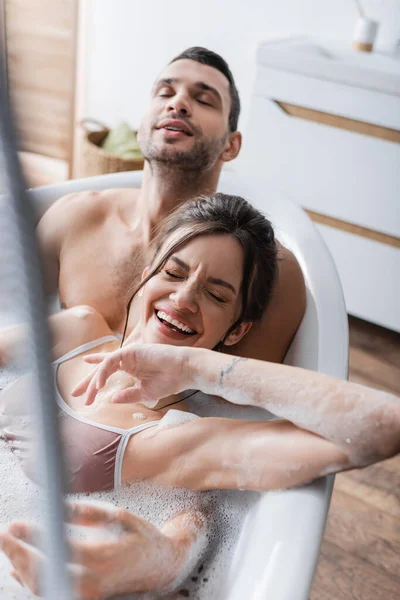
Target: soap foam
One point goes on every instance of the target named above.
(82, 312)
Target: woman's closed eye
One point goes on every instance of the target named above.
(216, 297)
(173, 274)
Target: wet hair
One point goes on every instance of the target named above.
(210, 58)
(234, 216)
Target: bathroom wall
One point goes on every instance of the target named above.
(128, 41)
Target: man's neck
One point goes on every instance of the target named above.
(164, 188)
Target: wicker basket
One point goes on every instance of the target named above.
(95, 160)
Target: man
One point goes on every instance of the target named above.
(96, 244)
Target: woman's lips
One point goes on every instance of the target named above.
(169, 330)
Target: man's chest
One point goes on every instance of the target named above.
(101, 269)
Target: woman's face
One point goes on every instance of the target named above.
(196, 297)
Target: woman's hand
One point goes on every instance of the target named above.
(159, 371)
(143, 558)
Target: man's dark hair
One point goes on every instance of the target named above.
(210, 58)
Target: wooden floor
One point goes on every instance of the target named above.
(360, 554)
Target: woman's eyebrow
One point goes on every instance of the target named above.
(180, 262)
(222, 282)
(214, 280)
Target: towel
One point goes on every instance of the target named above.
(122, 142)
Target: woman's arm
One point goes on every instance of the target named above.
(68, 329)
(362, 422)
(217, 453)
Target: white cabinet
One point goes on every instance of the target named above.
(324, 128)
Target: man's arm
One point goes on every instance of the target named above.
(270, 339)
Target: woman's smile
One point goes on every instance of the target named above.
(170, 325)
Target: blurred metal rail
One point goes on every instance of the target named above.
(19, 217)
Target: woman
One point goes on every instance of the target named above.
(192, 299)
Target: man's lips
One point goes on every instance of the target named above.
(175, 125)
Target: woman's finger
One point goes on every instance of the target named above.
(17, 578)
(127, 395)
(110, 365)
(95, 358)
(92, 390)
(104, 370)
(84, 384)
(79, 513)
(90, 515)
(25, 559)
(26, 532)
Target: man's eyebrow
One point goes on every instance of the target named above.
(165, 81)
(214, 280)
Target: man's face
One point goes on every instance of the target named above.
(186, 124)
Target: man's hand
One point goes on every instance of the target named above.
(143, 558)
(159, 371)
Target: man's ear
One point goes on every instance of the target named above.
(232, 147)
(238, 333)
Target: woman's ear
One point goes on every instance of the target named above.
(238, 333)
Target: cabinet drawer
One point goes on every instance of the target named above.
(370, 276)
(346, 175)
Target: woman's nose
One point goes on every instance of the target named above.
(185, 298)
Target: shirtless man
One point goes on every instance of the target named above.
(186, 135)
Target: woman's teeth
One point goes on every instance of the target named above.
(164, 317)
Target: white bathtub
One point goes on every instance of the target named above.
(277, 550)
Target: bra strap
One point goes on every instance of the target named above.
(84, 348)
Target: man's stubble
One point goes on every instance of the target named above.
(191, 163)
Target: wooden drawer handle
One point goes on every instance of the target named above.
(371, 234)
(308, 114)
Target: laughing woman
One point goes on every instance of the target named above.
(211, 278)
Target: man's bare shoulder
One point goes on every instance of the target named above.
(271, 337)
(92, 201)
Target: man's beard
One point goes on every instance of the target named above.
(201, 157)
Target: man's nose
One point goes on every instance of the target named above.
(180, 104)
(185, 298)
